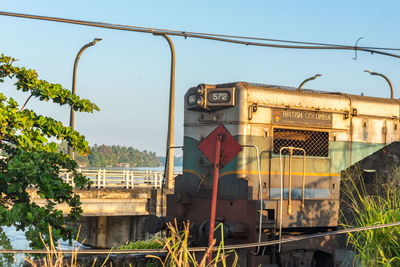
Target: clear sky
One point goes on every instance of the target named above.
(127, 74)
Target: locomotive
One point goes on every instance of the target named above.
(286, 179)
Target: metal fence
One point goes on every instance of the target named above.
(103, 178)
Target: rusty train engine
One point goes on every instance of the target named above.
(285, 181)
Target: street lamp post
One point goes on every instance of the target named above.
(72, 114)
(309, 79)
(386, 78)
(169, 164)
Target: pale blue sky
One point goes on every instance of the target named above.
(127, 74)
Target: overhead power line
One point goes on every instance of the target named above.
(215, 37)
(244, 37)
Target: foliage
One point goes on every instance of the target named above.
(104, 155)
(177, 245)
(5, 259)
(29, 160)
(372, 206)
(153, 243)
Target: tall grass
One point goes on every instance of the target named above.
(55, 257)
(177, 245)
(368, 205)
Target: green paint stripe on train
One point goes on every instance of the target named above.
(338, 159)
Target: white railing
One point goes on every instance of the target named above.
(103, 178)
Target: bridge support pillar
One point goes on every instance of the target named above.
(111, 231)
(101, 231)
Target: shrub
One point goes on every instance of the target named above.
(368, 205)
(154, 243)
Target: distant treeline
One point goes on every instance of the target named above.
(104, 155)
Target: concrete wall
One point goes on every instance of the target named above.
(111, 231)
(114, 216)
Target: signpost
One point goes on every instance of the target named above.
(220, 147)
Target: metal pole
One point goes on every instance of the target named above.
(384, 77)
(281, 198)
(304, 176)
(309, 79)
(290, 185)
(260, 191)
(72, 113)
(289, 211)
(214, 195)
(169, 164)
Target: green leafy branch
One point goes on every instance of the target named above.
(28, 81)
(30, 164)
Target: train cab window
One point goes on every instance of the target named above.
(313, 142)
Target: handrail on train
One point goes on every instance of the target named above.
(290, 149)
(260, 189)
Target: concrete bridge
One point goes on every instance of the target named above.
(115, 207)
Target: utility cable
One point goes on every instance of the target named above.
(213, 37)
(166, 31)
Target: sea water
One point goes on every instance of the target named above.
(19, 241)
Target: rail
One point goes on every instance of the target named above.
(104, 178)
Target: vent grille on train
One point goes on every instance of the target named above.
(314, 143)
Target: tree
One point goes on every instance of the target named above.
(30, 160)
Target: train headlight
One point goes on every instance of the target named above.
(200, 101)
(200, 89)
(191, 100)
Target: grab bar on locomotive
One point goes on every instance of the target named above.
(260, 190)
(290, 184)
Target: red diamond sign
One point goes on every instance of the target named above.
(229, 147)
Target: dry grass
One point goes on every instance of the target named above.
(55, 257)
(177, 245)
(179, 255)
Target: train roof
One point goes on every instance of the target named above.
(304, 90)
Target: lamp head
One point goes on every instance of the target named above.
(96, 40)
(372, 72)
(315, 76)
